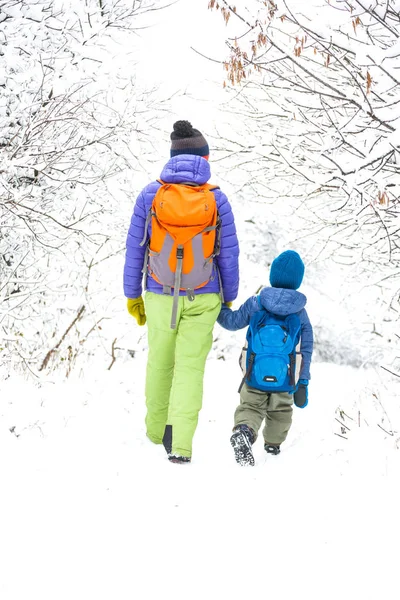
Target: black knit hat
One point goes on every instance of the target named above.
(187, 140)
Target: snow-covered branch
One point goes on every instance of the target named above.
(71, 121)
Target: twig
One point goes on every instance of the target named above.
(95, 326)
(391, 372)
(388, 432)
(346, 415)
(342, 436)
(377, 18)
(53, 350)
(112, 354)
(342, 424)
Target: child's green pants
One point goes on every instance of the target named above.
(175, 366)
(276, 409)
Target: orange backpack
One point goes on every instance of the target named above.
(185, 238)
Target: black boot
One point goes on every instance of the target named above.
(241, 442)
(272, 448)
(177, 458)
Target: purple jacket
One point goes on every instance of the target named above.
(183, 167)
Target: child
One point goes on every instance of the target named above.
(280, 300)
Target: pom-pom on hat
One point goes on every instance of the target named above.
(287, 271)
(187, 140)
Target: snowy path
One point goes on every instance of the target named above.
(90, 509)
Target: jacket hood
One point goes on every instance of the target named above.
(280, 301)
(186, 167)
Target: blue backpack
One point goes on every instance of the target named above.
(271, 352)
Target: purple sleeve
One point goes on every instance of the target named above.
(228, 258)
(134, 256)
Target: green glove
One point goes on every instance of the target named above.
(136, 309)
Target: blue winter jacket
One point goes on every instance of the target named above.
(180, 168)
(278, 301)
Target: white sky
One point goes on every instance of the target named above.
(168, 62)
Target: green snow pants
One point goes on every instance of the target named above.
(276, 409)
(175, 367)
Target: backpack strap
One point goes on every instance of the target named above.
(178, 278)
(221, 289)
(218, 226)
(145, 264)
(142, 243)
(177, 284)
(146, 227)
(247, 374)
(292, 367)
(194, 184)
(148, 219)
(190, 183)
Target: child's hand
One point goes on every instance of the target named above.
(301, 394)
(228, 304)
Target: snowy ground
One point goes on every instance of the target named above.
(91, 509)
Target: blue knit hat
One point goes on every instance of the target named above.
(287, 271)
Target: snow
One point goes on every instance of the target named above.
(90, 508)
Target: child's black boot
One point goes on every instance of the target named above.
(241, 442)
(271, 448)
